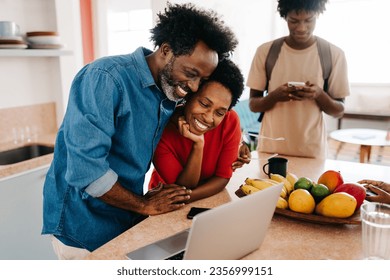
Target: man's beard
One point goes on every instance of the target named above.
(166, 82)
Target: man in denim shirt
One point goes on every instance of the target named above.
(118, 107)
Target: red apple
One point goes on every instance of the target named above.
(354, 189)
(332, 179)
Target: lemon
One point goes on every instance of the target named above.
(300, 200)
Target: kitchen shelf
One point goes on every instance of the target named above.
(33, 52)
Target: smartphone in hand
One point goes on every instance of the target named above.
(196, 210)
(296, 84)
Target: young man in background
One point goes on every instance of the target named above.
(296, 112)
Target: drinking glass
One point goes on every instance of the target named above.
(375, 230)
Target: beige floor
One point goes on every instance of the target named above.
(350, 152)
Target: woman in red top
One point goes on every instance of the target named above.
(201, 141)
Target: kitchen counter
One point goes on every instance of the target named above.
(13, 169)
(286, 239)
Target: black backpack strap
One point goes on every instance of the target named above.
(325, 59)
(272, 56)
(270, 61)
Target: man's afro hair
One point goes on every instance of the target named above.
(286, 6)
(182, 26)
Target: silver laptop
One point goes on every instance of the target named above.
(229, 231)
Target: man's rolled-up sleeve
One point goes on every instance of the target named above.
(103, 184)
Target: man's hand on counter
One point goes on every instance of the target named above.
(162, 199)
(166, 198)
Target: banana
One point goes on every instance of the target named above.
(248, 189)
(260, 184)
(292, 178)
(287, 185)
(283, 193)
(282, 203)
(271, 181)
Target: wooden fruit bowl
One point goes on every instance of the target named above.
(313, 218)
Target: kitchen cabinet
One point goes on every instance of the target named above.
(21, 217)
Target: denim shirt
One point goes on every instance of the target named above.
(114, 120)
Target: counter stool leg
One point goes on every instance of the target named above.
(365, 153)
(341, 144)
(369, 153)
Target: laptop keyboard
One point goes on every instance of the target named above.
(178, 256)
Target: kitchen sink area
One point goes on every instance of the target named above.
(24, 153)
(27, 137)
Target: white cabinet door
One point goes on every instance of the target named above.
(21, 217)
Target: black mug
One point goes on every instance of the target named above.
(276, 165)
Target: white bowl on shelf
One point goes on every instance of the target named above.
(44, 40)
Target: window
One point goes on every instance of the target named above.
(128, 30)
(359, 28)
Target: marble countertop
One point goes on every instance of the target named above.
(286, 239)
(13, 169)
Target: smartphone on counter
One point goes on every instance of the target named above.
(196, 210)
